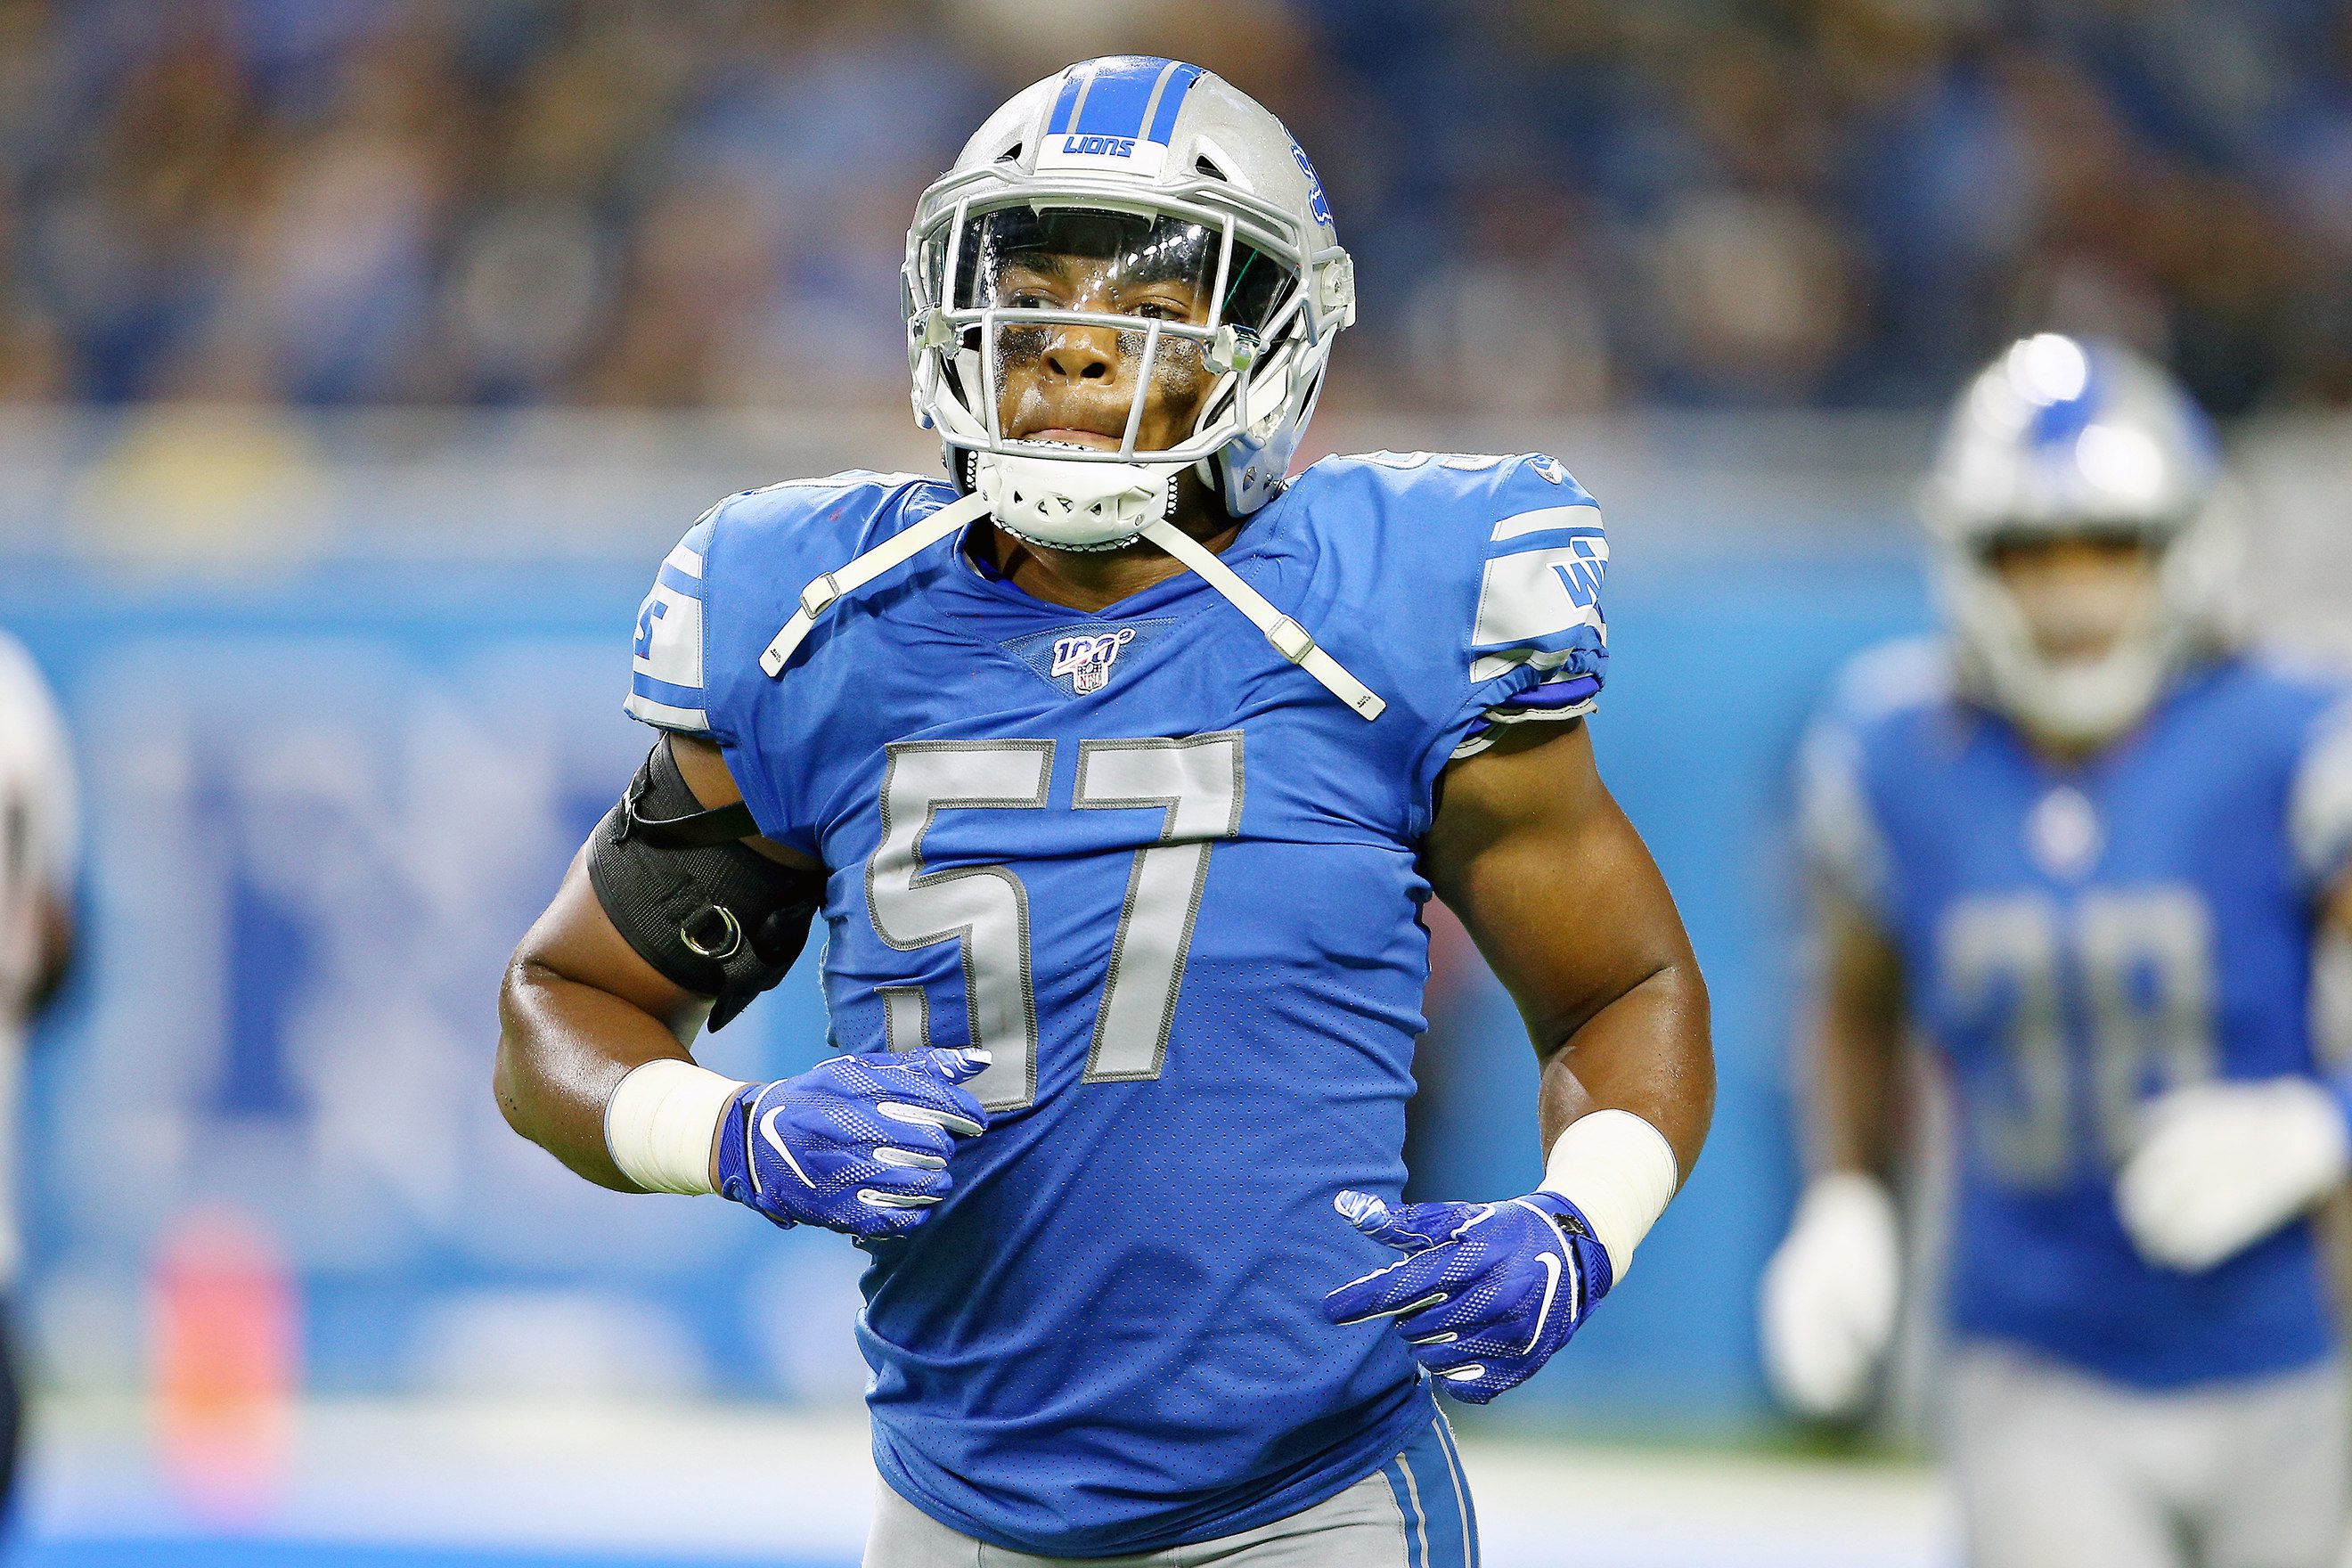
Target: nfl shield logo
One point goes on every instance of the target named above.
(1086, 659)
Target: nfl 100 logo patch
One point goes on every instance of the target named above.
(1087, 659)
(1080, 660)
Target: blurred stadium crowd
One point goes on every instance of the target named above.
(1556, 205)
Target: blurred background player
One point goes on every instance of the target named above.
(37, 816)
(2088, 846)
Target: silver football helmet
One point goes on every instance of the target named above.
(2059, 439)
(1211, 253)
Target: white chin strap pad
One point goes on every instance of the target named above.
(1072, 505)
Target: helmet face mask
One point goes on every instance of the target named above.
(2075, 655)
(1140, 299)
(2060, 443)
(1205, 299)
(2082, 597)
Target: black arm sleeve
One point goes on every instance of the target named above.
(715, 916)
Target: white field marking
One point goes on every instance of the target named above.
(738, 1482)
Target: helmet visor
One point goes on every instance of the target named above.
(1114, 263)
(1092, 328)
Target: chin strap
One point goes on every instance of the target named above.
(896, 549)
(1289, 639)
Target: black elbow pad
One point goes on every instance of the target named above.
(715, 916)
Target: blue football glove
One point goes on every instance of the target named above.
(858, 1145)
(1486, 1293)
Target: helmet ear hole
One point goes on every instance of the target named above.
(1204, 165)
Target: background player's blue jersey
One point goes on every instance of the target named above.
(2074, 942)
(1170, 881)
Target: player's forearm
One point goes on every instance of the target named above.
(563, 1047)
(58, 944)
(1851, 1116)
(1849, 1056)
(1648, 1052)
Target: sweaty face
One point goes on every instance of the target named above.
(1078, 383)
(2078, 595)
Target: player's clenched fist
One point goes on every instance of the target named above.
(1486, 1292)
(857, 1143)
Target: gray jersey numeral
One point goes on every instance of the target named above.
(2147, 971)
(985, 908)
(2005, 950)
(2141, 964)
(1195, 783)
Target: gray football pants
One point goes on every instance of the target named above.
(1412, 1512)
(2057, 1468)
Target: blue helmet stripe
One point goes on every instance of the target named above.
(1118, 93)
(1067, 105)
(1116, 98)
(2058, 423)
(1171, 99)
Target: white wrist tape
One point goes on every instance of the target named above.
(660, 1120)
(1619, 1172)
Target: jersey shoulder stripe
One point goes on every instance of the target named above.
(742, 559)
(1499, 561)
(666, 674)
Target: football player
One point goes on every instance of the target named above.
(39, 809)
(1118, 764)
(2093, 850)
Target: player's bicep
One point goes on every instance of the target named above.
(580, 939)
(703, 768)
(575, 941)
(1530, 849)
(703, 765)
(1861, 979)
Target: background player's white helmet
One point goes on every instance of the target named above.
(2059, 439)
(1161, 170)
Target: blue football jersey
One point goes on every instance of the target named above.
(1170, 881)
(2077, 940)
